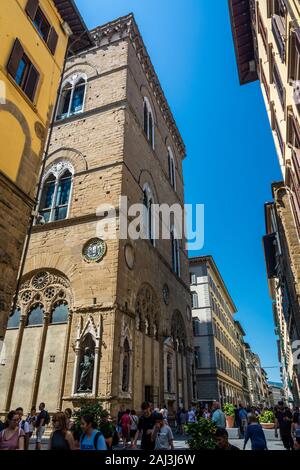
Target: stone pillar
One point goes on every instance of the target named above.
(37, 375)
(64, 369)
(177, 376)
(76, 366)
(96, 370)
(15, 363)
(161, 371)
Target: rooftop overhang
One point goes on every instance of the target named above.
(240, 18)
(81, 38)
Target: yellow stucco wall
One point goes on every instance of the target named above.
(15, 23)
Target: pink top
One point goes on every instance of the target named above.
(13, 442)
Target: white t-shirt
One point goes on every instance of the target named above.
(191, 416)
(163, 438)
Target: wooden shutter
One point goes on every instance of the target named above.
(32, 82)
(31, 8)
(15, 57)
(52, 40)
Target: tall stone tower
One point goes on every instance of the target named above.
(104, 319)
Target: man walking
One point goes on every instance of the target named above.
(41, 421)
(145, 427)
(218, 417)
(242, 419)
(283, 421)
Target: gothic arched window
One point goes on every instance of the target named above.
(149, 215)
(126, 366)
(71, 98)
(175, 253)
(172, 171)
(169, 373)
(14, 319)
(148, 122)
(147, 326)
(56, 191)
(35, 316)
(60, 313)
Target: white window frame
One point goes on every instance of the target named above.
(57, 170)
(72, 81)
(149, 111)
(195, 300)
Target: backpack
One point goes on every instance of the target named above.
(96, 438)
(23, 424)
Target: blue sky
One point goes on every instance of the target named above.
(231, 160)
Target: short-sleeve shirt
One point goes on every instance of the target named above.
(219, 419)
(145, 424)
(42, 415)
(284, 426)
(87, 443)
(125, 421)
(13, 442)
(163, 438)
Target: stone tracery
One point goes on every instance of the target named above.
(46, 288)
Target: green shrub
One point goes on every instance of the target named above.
(228, 409)
(89, 408)
(267, 417)
(201, 435)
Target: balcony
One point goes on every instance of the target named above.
(278, 30)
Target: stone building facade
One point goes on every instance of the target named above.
(267, 44)
(104, 319)
(217, 354)
(284, 291)
(34, 42)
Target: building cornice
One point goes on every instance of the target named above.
(126, 27)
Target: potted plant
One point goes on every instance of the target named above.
(201, 435)
(101, 420)
(229, 413)
(267, 419)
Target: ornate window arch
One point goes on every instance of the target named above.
(172, 168)
(54, 203)
(149, 122)
(59, 312)
(126, 366)
(46, 290)
(178, 332)
(147, 310)
(72, 96)
(148, 219)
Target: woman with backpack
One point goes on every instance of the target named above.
(91, 438)
(12, 437)
(61, 438)
(134, 425)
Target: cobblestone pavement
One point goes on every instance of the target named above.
(180, 444)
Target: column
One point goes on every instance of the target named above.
(37, 375)
(15, 362)
(161, 371)
(66, 354)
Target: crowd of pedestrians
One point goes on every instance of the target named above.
(247, 420)
(151, 428)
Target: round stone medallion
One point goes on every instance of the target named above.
(94, 250)
(129, 256)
